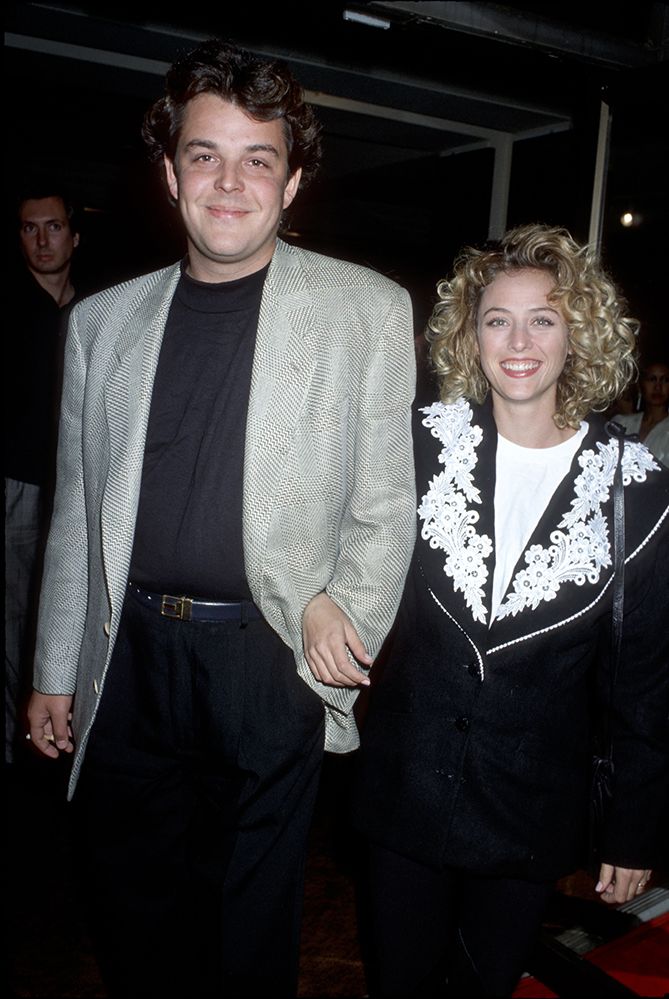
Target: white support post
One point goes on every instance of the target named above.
(499, 198)
(599, 185)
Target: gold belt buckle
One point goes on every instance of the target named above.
(177, 607)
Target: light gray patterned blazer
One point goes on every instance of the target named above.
(329, 495)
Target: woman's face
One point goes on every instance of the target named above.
(654, 385)
(523, 342)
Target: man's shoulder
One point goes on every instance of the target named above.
(129, 290)
(325, 271)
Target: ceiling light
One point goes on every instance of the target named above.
(630, 219)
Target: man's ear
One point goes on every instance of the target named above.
(291, 187)
(171, 175)
(75, 240)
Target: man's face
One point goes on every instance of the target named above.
(230, 179)
(46, 238)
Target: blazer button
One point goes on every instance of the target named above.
(106, 627)
(462, 724)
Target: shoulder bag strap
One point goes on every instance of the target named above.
(618, 542)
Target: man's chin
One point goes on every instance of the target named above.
(50, 268)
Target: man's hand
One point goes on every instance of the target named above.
(49, 716)
(327, 636)
(621, 884)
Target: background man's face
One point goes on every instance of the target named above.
(231, 180)
(47, 240)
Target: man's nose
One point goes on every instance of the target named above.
(229, 177)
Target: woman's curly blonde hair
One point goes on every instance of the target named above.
(602, 340)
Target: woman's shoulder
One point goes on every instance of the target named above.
(640, 467)
(450, 420)
(630, 421)
(454, 441)
(444, 427)
(646, 488)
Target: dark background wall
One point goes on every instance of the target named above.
(393, 194)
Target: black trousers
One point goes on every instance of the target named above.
(447, 933)
(193, 807)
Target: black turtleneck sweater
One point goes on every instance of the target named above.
(188, 537)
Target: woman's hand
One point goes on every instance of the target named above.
(328, 635)
(621, 884)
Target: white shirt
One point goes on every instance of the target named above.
(526, 478)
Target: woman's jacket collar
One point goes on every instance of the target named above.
(566, 565)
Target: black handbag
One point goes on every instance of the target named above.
(601, 786)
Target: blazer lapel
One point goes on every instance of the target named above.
(565, 569)
(283, 365)
(128, 391)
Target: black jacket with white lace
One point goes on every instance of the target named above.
(476, 745)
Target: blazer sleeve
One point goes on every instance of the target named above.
(63, 596)
(378, 524)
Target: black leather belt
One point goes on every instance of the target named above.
(188, 609)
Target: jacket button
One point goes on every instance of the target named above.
(473, 670)
(462, 724)
(106, 627)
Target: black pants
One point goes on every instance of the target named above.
(195, 801)
(447, 933)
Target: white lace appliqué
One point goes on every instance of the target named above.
(448, 524)
(580, 551)
(580, 546)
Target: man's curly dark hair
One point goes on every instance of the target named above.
(264, 89)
